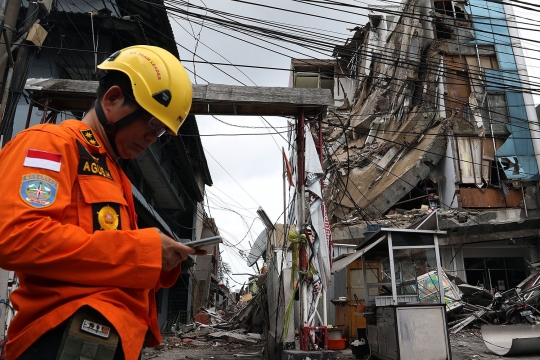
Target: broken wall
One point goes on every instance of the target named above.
(432, 85)
(393, 137)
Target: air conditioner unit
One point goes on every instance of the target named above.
(45, 5)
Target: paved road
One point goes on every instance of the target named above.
(466, 345)
(222, 352)
(205, 351)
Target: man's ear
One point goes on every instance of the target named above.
(113, 97)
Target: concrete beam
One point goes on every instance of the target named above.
(217, 99)
(348, 234)
(490, 225)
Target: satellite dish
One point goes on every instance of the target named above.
(258, 248)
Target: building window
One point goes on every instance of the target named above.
(448, 8)
(495, 273)
(442, 31)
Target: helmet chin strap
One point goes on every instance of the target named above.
(111, 128)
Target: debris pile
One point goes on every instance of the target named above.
(515, 306)
(236, 326)
(210, 337)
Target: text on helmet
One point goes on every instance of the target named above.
(150, 61)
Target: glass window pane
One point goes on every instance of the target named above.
(500, 27)
(357, 282)
(483, 31)
(495, 263)
(512, 83)
(474, 263)
(479, 8)
(515, 277)
(515, 263)
(476, 277)
(494, 80)
(412, 239)
(410, 265)
(505, 56)
(496, 9)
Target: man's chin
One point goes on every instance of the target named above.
(130, 155)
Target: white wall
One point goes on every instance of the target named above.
(447, 185)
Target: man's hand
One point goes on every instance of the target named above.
(174, 252)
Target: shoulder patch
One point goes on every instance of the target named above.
(90, 164)
(38, 190)
(90, 138)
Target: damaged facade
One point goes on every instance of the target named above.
(439, 118)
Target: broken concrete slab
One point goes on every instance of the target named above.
(233, 337)
(198, 333)
(385, 188)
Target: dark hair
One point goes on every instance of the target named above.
(110, 78)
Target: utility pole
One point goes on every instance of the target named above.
(301, 175)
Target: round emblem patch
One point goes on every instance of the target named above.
(38, 190)
(107, 218)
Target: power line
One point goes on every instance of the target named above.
(237, 183)
(244, 40)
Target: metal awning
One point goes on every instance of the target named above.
(211, 99)
(343, 263)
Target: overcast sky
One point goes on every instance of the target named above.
(247, 170)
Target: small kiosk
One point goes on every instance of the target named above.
(406, 308)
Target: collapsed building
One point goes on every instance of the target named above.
(434, 112)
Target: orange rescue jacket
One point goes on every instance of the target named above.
(68, 229)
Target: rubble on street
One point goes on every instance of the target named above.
(230, 333)
(468, 344)
(509, 320)
(514, 306)
(233, 330)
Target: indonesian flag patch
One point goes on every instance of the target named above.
(43, 160)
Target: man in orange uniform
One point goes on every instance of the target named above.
(68, 225)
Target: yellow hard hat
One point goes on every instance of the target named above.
(160, 83)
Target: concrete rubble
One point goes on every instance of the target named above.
(231, 328)
(467, 345)
(480, 306)
(423, 124)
